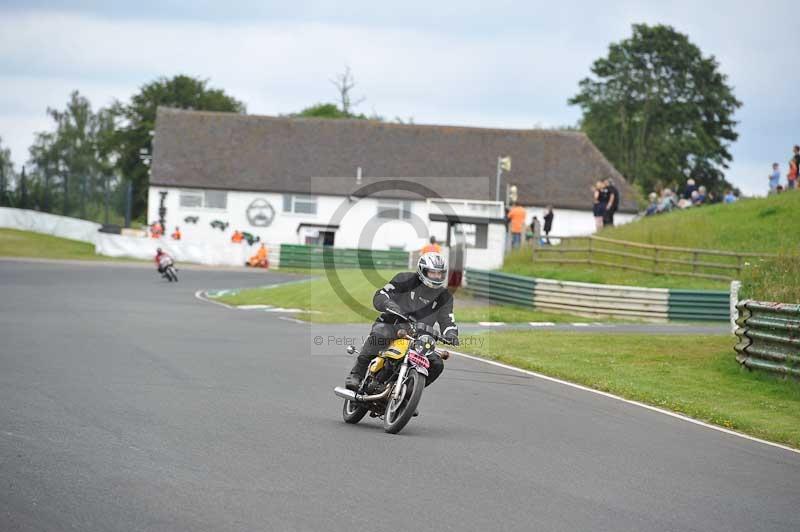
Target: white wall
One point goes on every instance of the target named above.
(358, 223)
(359, 227)
(50, 224)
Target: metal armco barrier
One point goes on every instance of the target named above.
(587, 299)
(769, 336)
(299, 256)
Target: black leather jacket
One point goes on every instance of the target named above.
(425, 304)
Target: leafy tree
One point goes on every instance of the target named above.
(329, 110)
(134, 139)
(6, 175)
(660, 110)
(67, 157)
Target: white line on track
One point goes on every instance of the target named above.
(293, 320)
(630, 402)
(490, 323)
(541, 324)
(201, 295)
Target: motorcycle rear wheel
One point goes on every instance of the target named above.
(352, 412)
(400, 411)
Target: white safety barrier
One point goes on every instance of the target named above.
(50, 224)
(210, 253)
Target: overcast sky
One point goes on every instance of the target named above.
(499, 63)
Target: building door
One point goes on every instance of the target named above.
(327, 237)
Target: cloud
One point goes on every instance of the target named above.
(508, 65)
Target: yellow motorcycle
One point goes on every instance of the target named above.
(394, 382)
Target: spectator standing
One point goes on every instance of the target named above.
(796, 160)
(156, 230)
(176, 235)
(613, 202)
(774, 179)
(794, 170)
(729, 197)
(516, 217)
(548, 223)
(599, 202)
(237, 237)
(431, 247)
(688, 189)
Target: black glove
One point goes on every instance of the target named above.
(451, 339)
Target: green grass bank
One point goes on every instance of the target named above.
(325, 304)
(694, 375)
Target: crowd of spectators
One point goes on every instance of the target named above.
(690, 196)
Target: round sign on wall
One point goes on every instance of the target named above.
(260, 213)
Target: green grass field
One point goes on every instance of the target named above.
(15, 243)
(695, 375)
(327, 306)
(765, 225)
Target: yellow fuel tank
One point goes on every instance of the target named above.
(397, 349)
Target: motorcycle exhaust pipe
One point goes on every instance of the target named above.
(350, 395)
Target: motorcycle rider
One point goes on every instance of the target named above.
(160, 254)
(422, 295)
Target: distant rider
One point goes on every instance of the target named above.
(160, 256)
(422, 295)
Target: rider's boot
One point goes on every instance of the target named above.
(353, 380)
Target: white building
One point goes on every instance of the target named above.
(346, 182)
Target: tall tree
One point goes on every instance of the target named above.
(134, 140)
(660, 110)
(68, 154)
(23, 197)
(6, 175)
(345, 83)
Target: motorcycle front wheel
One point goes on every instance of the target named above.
(400, 411)
(352, 412)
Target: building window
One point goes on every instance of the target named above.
(394, 210)
(216, 199)
(199, 199)
(299, 204)
(191, 199)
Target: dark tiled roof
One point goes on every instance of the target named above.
(258, 153)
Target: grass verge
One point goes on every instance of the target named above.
(763, 225)
(325, 305)
(14, 243)
(694, 375)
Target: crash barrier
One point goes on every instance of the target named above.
(587, 299)
(300, 256)
(209, 253)
(769, 336)
(635, 256)
(49, 224)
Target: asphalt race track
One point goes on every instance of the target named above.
(126, 404)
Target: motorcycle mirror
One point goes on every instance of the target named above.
(402, 333)
(351, 350)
